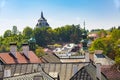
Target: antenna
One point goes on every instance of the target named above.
(84, 24)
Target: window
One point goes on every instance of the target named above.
(100, 55)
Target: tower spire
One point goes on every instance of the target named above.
(42, 22)
(41, 14)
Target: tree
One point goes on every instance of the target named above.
(110, 45)
(115, 35)
(117, 52)
(119, 27)
(3, 48)
(44, 36)
(39, 51)
(1, 39)
(14, 30)
(69, 33)
(41, 36)
(102, 33)
(27, 32)
(98, 44)
(7, 33)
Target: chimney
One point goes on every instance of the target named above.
(25, 48)
(87, 56)
(98, 71)
(13, 48)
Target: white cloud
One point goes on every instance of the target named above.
(117, 4)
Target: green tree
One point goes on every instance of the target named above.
(69, 33)
(1, 40)
(117, 51)
(14, 30)
(102, 33)
(3, 48)
(42, 36)
(39, 51)
(115, 35)
(27, 32)
(7, 33)
(98, 44)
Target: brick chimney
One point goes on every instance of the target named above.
(98, 71)
(13, 48)
(25, 48)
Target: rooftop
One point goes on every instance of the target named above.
(50, 57)
(7, 58)
(111, 73)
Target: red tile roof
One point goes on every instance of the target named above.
(112, 74)
(8, 59)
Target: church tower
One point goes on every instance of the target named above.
(42, 22)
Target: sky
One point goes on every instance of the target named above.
(102, 14)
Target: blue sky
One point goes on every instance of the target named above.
(96, 13)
